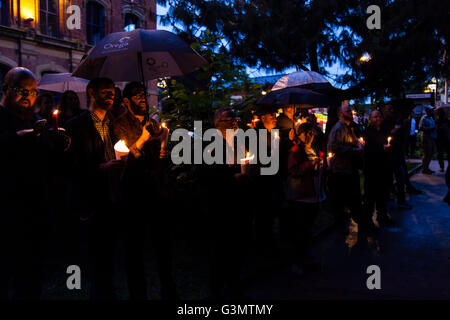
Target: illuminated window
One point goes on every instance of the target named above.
(48, 17)
(131, 22)
(95, 22)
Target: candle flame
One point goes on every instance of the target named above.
(275, 135)
(389, 140)
(121, 146)
(254, 121)
(330, 155)
(163, 125)
(248, 157)
(56, 112)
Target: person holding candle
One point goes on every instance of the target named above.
(345, 165)
(95, 179)
(228, 207)
(394, 128)
(26, 169)
(268, 187)
(376, 169)
(285, 123)
(144, 180)
(44, 106)
(304, 192)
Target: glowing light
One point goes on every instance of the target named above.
(27, 9)
(56, 112)
(163, 125)
(248, 157)
(365, 58)
(389, 140)
(263, 93)
(121, 146)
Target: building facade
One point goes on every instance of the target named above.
(34, 33)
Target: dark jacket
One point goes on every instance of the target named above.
(145, 173)
(24, 164)
(91, 187)
(376, 159)
(285, 125)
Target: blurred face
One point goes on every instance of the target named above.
(226, 121)
(22, 95)
(269, 120)
(375, 119)
(346, 114)
(289, 112)
(104, 96)
(307, 137)
(388, 111)
(137, 102)
(72, 99)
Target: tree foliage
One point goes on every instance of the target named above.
(275, 35)
(198, 95)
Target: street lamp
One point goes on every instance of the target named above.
(365, 57)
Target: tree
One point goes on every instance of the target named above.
(313, 34)
(198, 95)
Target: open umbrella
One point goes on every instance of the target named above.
(307, 80)
(60, 82)
(139, 55)
(298, 96)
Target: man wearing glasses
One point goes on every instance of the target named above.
(24, 170)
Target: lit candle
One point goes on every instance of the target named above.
(55, 119)
(330, 155)
(275, 140)
(166, 135)
(389, 141)
(121, 150)
(244, 162)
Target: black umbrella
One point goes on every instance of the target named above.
(139, 55)
(298, 96)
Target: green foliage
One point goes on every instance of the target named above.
(275, 35)
(197, 96)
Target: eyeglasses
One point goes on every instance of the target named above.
(25, 92)
(229, 120)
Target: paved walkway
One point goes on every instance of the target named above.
(414, 257)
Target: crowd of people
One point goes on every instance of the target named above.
(43, 164)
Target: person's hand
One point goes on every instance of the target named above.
(291, 134)
(163, 153)
(112, 165)
(316, 163)
(145, 136)
(24, 132)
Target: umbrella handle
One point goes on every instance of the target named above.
(141, 72)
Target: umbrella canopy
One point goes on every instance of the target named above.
(298, 96)
(311, 79)
(60, 82)
(139, 55)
